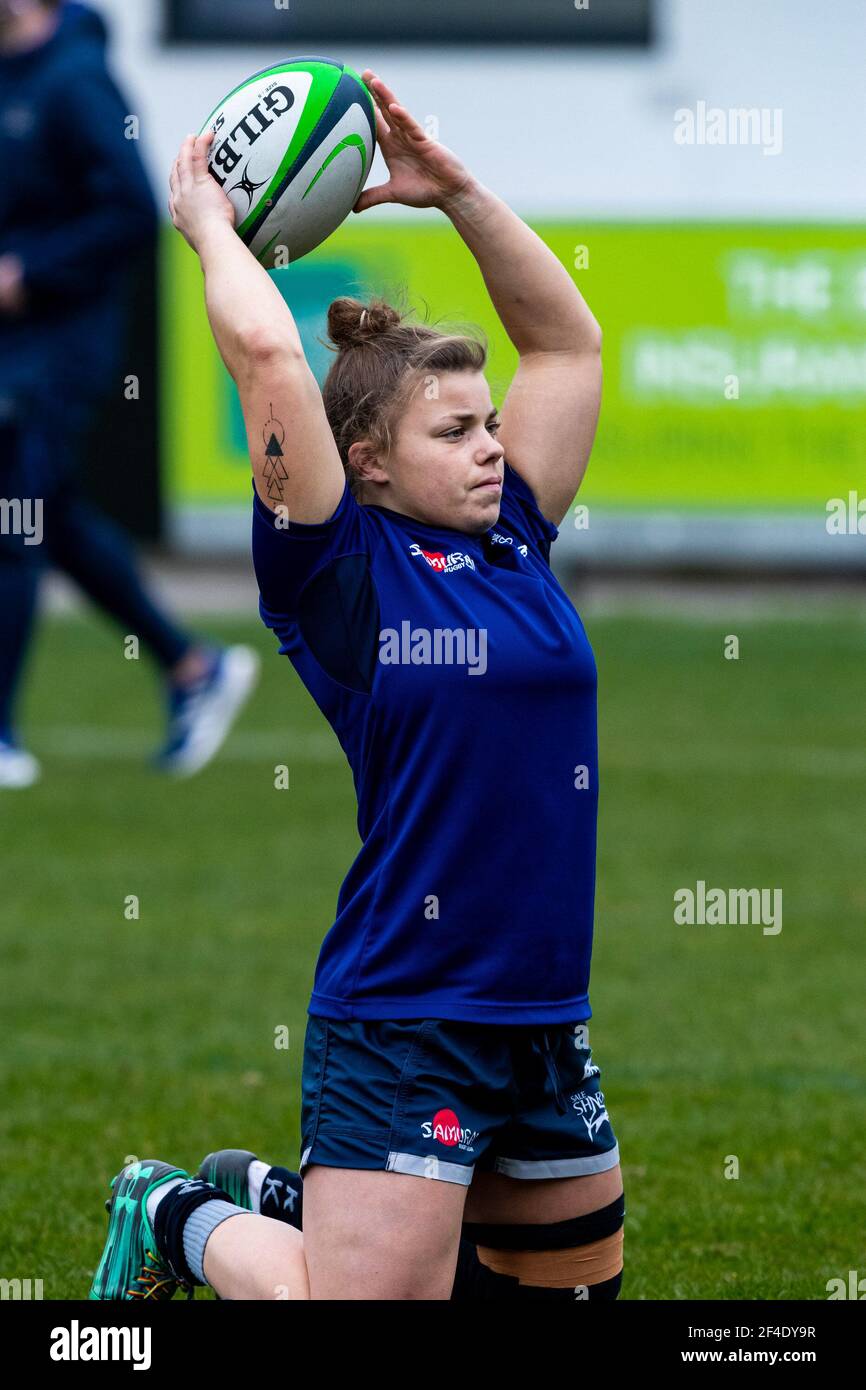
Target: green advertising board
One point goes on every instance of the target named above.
(734, 355)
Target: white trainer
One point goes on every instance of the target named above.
(202, 716)
(17, 768)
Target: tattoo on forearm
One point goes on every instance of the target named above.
(275, 471)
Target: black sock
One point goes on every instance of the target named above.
(607, 1291)
(475, 1282)
(282, 1196)
(171, 1216)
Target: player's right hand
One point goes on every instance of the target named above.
(196, 200)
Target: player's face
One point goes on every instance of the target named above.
(446, 466)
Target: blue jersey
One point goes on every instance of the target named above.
(461, 685)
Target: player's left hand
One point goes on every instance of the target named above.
(424, 174)
(13, 293)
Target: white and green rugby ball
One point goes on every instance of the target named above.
(292, 149)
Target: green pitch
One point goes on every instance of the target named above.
(156, 1037)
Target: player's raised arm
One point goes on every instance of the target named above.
(550, 413)
(295, 460)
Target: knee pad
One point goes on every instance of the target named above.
(579, 1259)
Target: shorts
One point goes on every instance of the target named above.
(440, 1098)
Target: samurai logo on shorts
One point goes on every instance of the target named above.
(591, 1109)
(445, 1128)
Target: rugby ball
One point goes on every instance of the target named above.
(292, 149)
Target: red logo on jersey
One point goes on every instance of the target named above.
(435, 559)
(442, 563)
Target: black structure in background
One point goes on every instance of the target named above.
(121, 459)
(340, 22)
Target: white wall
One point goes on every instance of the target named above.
(557, 134)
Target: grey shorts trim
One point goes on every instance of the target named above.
(429, 1167)
(557, 1167)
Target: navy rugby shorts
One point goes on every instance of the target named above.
(440, 1098)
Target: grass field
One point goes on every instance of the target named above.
(156, 1037)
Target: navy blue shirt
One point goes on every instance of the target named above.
(460, 682)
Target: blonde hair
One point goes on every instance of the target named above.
(381, 357)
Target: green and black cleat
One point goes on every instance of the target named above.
(227, 1168)
(130, 1267)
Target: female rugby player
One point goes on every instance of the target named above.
(401, 540)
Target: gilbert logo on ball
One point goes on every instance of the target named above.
(292, 149)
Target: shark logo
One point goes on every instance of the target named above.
(591, 1109)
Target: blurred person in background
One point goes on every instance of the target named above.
(75, 205)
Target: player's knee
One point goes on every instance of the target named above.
(576, 1260)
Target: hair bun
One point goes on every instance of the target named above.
(350, 322)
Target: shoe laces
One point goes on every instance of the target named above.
(155, 1281)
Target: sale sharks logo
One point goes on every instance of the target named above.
(591, 1108)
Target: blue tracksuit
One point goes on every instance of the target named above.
(75, 205)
